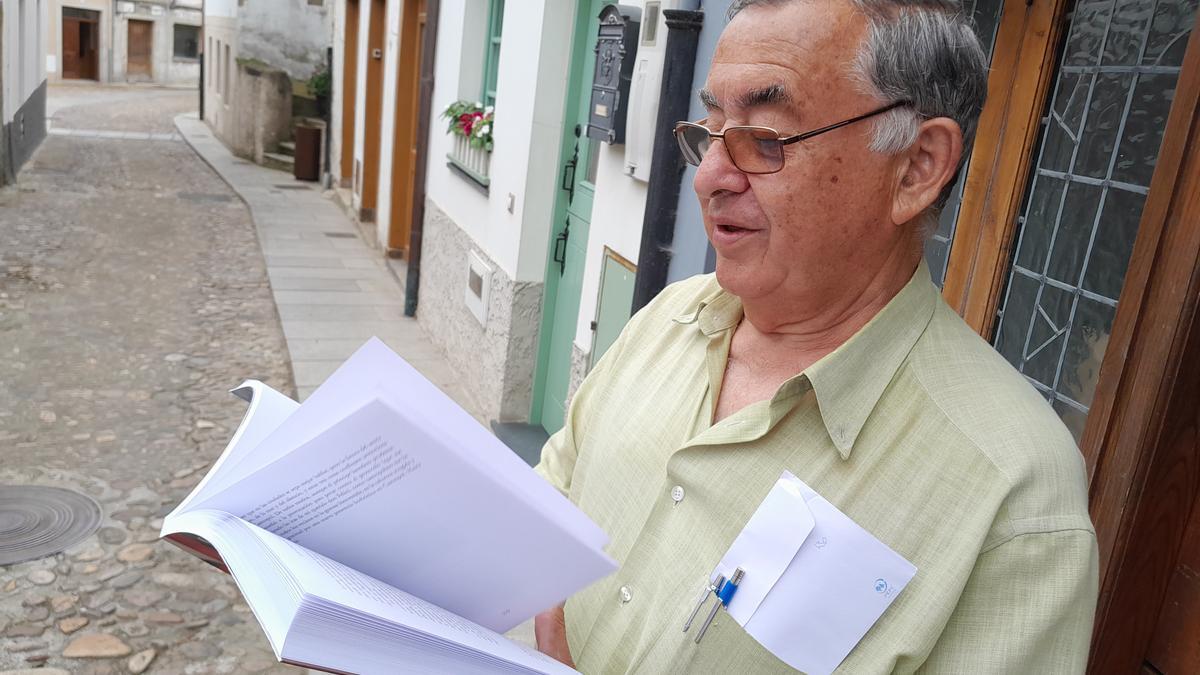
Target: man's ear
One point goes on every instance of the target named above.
(925, 168)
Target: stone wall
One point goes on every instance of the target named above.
(500, 357)
(579, 370)
(292, 35)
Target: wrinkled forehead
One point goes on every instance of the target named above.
(772, 53)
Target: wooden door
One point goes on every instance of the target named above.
(1175, 647)
(349, 90)
(1077, 253)
(141, 46)
(89, 38)
(72, 66)
(368, 182)
(404, 147)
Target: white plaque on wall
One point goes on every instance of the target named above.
(51, 63)
(155, 10)
(126, 8)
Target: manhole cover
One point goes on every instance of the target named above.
(341, 235)
(291, 187)
(36, 521)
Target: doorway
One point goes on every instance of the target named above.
(140, 49)
(350, 91)
(80, 42)
(368, 171)
(569, 236)
(404, 148)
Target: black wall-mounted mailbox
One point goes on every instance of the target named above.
(616, 51)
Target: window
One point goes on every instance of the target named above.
(491, 53)
(228, 74)
(187, 41)
(1099, 144)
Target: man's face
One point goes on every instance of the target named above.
(824, 219)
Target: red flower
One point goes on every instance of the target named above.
(466, 121)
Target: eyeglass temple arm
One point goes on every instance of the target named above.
(817, 132)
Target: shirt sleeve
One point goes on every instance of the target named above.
(1027, 608)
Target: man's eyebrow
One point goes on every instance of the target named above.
(770, 95)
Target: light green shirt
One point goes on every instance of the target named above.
(915, 428)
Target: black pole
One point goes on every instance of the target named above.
(326, 111)
(424, 110)
(203, 53)
(666, 165)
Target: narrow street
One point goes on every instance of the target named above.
(133, 296)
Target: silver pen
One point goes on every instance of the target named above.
(710, 589)
(724, 595)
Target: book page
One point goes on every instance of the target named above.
(268, 409)
(272, 593)
(381, 494)
(338, 586)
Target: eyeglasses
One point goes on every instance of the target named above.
(753, 149)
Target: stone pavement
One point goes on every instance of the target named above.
(333, 291)
(133, 295)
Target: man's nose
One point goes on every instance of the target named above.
(717, 173)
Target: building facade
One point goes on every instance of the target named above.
(22, 83)
(121, 41)
(257, 53)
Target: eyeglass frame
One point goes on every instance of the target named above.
(783, 140)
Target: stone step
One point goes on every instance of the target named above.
(275, 160)
(287, 148)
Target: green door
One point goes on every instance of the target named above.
(569, 236)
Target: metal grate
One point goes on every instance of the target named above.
(1098, 147)
(36, 521)
(985, 15)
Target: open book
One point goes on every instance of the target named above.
(379, 528)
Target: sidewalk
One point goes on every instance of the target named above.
(333, 291)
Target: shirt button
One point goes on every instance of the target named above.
(626, 594)
(677, 494)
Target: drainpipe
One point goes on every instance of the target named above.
(666, 165)
(424, 106)
(203, 53)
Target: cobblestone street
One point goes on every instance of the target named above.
(133, 296)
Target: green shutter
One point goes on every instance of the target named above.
(491, 52)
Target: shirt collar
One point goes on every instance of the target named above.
(849, 381)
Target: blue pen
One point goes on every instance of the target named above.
(724, 595)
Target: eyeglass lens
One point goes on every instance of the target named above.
(752, 149)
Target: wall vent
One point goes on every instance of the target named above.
(479, 287)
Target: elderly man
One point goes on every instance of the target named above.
(822, 348)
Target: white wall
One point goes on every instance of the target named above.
(221, 8)
(335, 104)
(23, 59)
(530, 91)
(387, 127)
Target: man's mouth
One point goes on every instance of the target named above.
(734, 229)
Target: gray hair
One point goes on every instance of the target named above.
(924, 52)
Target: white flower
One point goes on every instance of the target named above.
(478, 104)
(489, 110)
(485, 129)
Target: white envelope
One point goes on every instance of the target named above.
(815, 582)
